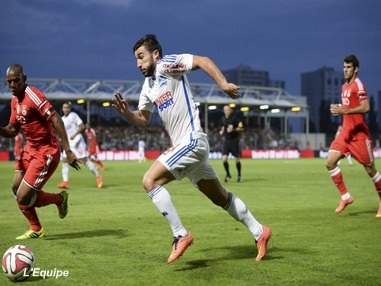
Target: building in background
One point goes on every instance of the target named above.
(245, 75)
(322, 87)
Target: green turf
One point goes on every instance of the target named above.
(116, 236)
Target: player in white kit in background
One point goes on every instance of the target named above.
(141, 151)
(167, 88)
(74, 127)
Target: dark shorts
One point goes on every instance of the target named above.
(231, 147)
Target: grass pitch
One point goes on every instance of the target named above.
(116, 236)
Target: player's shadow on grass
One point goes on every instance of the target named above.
(117, 233)
(234, 253)
(361, 212)
(244, 180)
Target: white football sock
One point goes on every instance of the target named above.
(376, 177)
(92, 168)
(162, 199)
(65, 172)
(346, 196)
(237, 209)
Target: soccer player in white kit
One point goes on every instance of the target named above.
(74, 127)
(167, 88)
(141, 149)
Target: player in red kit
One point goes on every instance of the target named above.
(33, 113)
(354, 137)
(92, 146)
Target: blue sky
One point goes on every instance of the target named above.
(93, 39)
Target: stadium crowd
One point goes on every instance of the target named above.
(156, 138)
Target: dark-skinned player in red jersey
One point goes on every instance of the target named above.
(33, 113)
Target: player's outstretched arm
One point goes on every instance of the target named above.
(138, 118)
(60, 129)
(8, 131)
(209, 67)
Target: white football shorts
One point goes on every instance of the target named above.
(190, 158)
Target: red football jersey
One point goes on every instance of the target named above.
(354, 125)
(91, 141)
(33, 114)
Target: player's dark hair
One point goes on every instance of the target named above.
(353, 60)
(150, 42)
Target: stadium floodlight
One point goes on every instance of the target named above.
(264, 106)
(80, 101)
(296, 109)
(212, 107)
(275, 110)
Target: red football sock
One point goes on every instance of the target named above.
(31, 215)
(337, 178)
(44, 199)
(378, 188)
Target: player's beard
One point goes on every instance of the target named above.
(150, 70)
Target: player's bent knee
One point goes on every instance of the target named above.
(26, 197)
(22, 199)
(370, 169)
(330, 165)
(148, 183)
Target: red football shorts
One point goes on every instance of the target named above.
(38, 168)
(361, 150)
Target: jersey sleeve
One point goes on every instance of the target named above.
(12, 118)
(176, 65)
(361, 90)
(43, 106)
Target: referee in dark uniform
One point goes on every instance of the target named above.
(230, 128)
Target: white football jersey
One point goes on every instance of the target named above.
(170, 92)
(72, 122)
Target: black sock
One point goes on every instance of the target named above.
(238, 165)
(226, 166)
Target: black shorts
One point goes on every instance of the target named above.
(231, 147)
